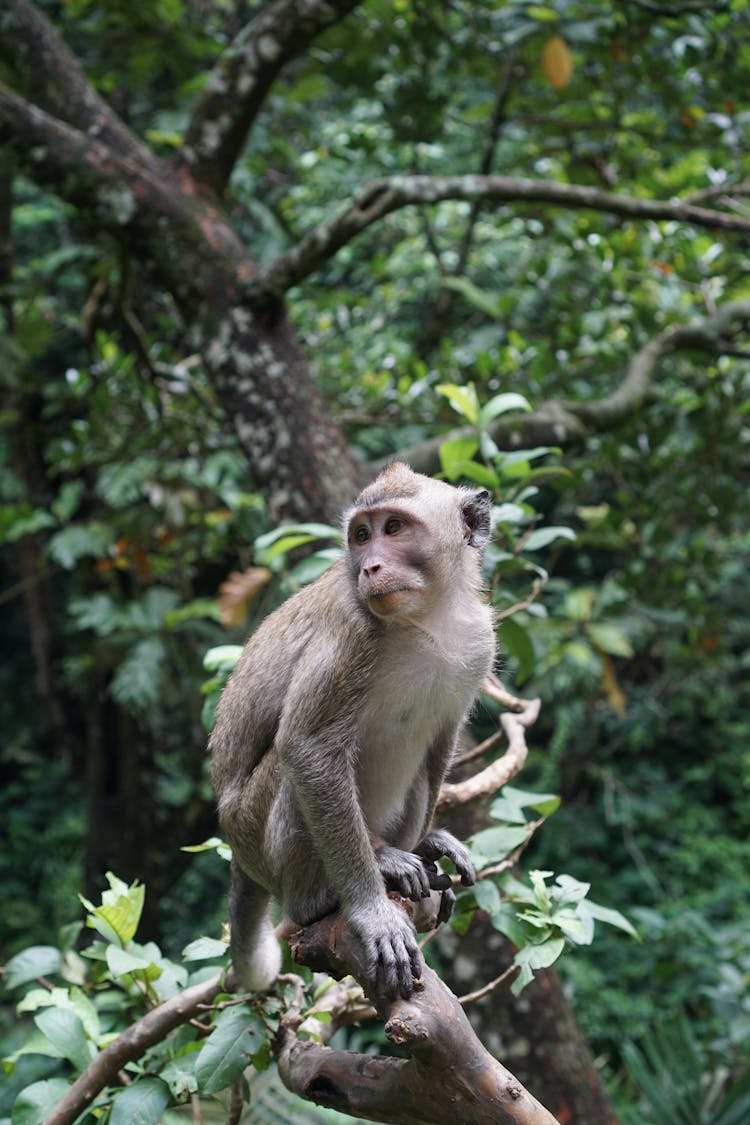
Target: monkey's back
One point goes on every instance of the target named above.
(290, 672)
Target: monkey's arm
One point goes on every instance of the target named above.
(324, 784)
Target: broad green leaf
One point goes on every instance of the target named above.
(464, 400)
(137, 683)
(515, 639)
(502, 404)
(488, 896)
(568, 890)
(204, 948)
(505, 921)
(141, 1103)
(307, 570)
(541, 891)
(455, 453)
(65, 1032)
(315, 530)
(120, 910)
(73, 543)
(223, 656)
(577, 926)
(543, 536)
(237, 1034)
(493, 844)
(74, 1000)
(35, 1103)
(611, 917)
(610, 639)
(36, 961)
(122, 962)
(540, 956)
(511, 802)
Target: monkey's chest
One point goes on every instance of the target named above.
(419, 701)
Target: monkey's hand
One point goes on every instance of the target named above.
(393, 958)
(441, 843)
(406, 873)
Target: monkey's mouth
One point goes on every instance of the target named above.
(387, 602)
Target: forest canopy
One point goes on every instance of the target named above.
(249, 253)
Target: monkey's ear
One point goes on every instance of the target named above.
(476, 512)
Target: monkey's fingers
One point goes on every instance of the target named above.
(395, 968)
(447, 902)
(438, 880)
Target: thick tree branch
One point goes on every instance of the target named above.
(237, 87)
(51, 76)
(129, 1046)
(382, 197)
(447, 1075)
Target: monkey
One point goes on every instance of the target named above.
(337, 726)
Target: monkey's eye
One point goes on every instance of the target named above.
(361, 534)
(393, 525)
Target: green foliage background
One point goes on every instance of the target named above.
(118, 471)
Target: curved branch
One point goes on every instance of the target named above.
(237, 87)
(712, 334)
(52, 77)
(131, 1045)
(384, 196)
(569, 423)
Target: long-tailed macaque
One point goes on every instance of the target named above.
(336, 729)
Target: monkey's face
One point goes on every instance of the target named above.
(389, 550)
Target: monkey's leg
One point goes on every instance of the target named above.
(256, 955)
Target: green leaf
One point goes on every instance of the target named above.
(137, 683)
(488, 303)
(37, 1101)
(518, 643)
(511, 802)
(502, 404)
(493, 844)
(464, 400)
(65, 1032)
(141, 1103)
(204, 948)
(505, 921)
(123, 962)
(36, 961)
(283, 539)
(455, 453)
(223, 656)
(71, 544)
(611, 917)
(214, 844)
(238, 1033)
(535, 957)
(543, 536)
(578, 927)
(610, 639)
(120, 910)
(488, 896)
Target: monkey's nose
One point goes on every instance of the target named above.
(373, 568)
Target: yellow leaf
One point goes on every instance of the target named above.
(557, 62)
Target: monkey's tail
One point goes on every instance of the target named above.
(256, 955)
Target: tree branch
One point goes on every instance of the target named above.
(51, 76)
(447, 1075)
(237, 87)
(130, 1045)
(382, 197)
(569, 423)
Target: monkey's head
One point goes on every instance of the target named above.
(411, 540)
